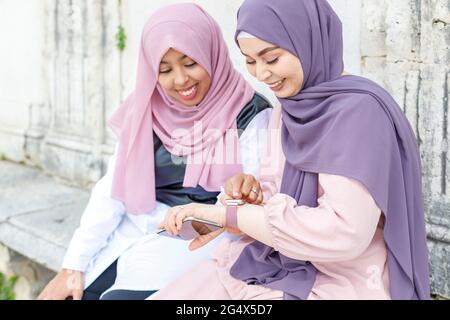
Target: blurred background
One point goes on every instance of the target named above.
(66, 65)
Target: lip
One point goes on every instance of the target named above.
(191, 96)
(278, 87)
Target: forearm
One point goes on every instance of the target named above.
(252, 221)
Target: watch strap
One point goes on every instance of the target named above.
(231, 217)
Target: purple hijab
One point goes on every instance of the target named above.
(341, 125)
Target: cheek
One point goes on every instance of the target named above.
(298, 79)
(165, 82)
(251, 69)
(202, 76)
(297, 73)
(293, 74)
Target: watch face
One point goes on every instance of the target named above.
(234, 202)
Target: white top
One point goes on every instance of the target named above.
(147, 261)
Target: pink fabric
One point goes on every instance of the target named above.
(342, 237)
(343, 240)
(205, 128)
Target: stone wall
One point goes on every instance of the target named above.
(405, 46)
(32, 277)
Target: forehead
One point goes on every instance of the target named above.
(251, 46)
(172, 55)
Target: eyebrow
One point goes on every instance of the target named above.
(263, 52)
(165, 62)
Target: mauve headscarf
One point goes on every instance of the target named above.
(188, 29)
(341, 125)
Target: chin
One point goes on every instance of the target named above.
(282, 95)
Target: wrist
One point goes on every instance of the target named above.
(231, 213)
(222, 215)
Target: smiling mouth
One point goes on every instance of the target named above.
(276, 85)
(189, 93)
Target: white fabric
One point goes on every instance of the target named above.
(147, 261)
(245, 35)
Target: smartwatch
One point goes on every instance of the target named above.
(231, 212)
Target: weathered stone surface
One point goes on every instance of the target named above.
(37, 219)
(25, 191)
(39, 215)
(415, 69)
(32, 277)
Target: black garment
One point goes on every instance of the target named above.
(105, 281)
(127, 295)
(169, 176)
(102, 283)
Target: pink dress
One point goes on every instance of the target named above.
(342, 237)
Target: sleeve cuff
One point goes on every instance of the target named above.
(273, 212)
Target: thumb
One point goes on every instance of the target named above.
(223, 198)
(204, 239)
(233, 187)
(237, 192)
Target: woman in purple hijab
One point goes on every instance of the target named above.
(347, 219)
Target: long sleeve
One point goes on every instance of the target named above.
(100, 218)
(340, 228)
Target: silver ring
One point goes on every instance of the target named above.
(254, 190)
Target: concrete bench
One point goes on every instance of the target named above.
(38, 216)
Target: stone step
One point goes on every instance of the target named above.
(38, 216)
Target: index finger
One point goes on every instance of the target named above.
(233, 186)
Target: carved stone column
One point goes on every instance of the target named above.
(84, 83)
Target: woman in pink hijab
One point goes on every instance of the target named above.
(188, 126)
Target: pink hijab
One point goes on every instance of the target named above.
(186, 28)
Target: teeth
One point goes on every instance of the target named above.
(273, 85)
(188, 92)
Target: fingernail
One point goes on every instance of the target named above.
(236, 194)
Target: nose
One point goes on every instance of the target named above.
(181, 77)
(262, 73)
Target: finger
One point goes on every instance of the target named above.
(170, 224)
(164, 222)
(247, 186)
(228, 187)
(223, 199)
(77, 294)
(204, 239)
(253, 195)
(179, 218)
(173, 219)
(42, 295)
(236, 183)
(260, 198)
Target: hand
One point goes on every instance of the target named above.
(243, 186)
(67, 283)
(175, 216)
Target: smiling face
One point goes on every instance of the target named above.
(183, 79)
(276, 67)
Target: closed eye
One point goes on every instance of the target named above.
(273, 61)
(190, 65)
